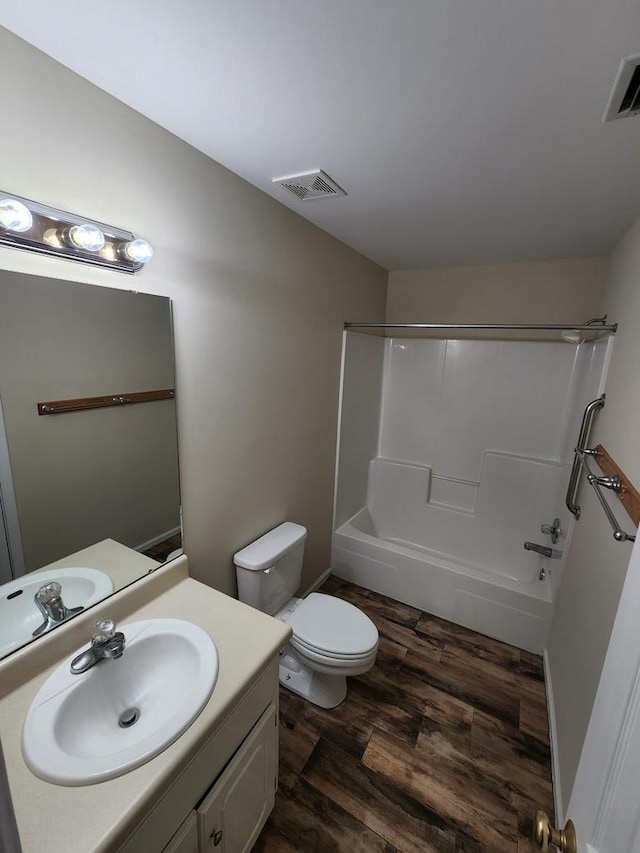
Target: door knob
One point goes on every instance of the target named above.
(216, 837)
(544, 834)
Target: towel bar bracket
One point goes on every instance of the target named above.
(612, 483)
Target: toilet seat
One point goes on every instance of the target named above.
(310, 651)
(332, 661)
(331, 630)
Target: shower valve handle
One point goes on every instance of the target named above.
(552, 530)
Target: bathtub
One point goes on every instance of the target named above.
(455, 549)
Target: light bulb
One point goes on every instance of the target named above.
(14, 215)
(138, 251)
(86, 237)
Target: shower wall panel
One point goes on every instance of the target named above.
(360, 418)
(413, 374)
(446, 403)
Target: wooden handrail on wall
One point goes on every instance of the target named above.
(56, 407)
(628, 494)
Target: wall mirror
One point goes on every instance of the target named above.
(89, 497)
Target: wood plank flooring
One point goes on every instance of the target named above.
(442, 747)
(161, 550)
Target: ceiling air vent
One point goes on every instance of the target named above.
(311, 185)
(624, 100)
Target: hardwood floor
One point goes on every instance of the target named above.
(161, 550)
(442, 747)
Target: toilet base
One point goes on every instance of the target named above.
(326, 691)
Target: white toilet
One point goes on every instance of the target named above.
(331, 639)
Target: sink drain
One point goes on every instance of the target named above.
(128, 718)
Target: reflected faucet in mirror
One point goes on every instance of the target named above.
(48, 600)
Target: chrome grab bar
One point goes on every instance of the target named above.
(609, 483)
(583, 437)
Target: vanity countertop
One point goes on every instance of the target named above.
(96, 817)
(122, 564)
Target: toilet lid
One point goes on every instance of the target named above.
(329, 624)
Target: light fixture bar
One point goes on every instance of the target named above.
(60, 234)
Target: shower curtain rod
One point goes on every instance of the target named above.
(559, 327)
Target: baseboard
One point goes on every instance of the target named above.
(144, 546)
(317, 583)
(553, 739)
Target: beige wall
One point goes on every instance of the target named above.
(590, 592)
(540, 292)
(259, 294)
(85, 476)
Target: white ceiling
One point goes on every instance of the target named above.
(464, 131)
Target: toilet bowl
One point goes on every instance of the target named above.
(332, 639)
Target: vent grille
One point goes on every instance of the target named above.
(624, 100)
(309, 186)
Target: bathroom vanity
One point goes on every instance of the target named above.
(210, 790)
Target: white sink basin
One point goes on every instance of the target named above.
(19, 616)
(73, 735)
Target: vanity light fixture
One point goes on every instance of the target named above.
(36, 227)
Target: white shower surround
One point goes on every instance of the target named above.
(452, 454)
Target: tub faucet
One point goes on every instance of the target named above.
(106, 642)
(542, 549)
(48, 600)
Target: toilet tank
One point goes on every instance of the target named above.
(269, 569)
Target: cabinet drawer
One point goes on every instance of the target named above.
(235, 810)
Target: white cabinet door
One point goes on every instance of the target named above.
(232, 815)
(186, 838)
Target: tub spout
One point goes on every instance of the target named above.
(553, 553)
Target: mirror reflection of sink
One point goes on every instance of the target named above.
(86, 728)
(19, 615)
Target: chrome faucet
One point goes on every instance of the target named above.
(553, 553)
(48, 600)
(106, 642)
